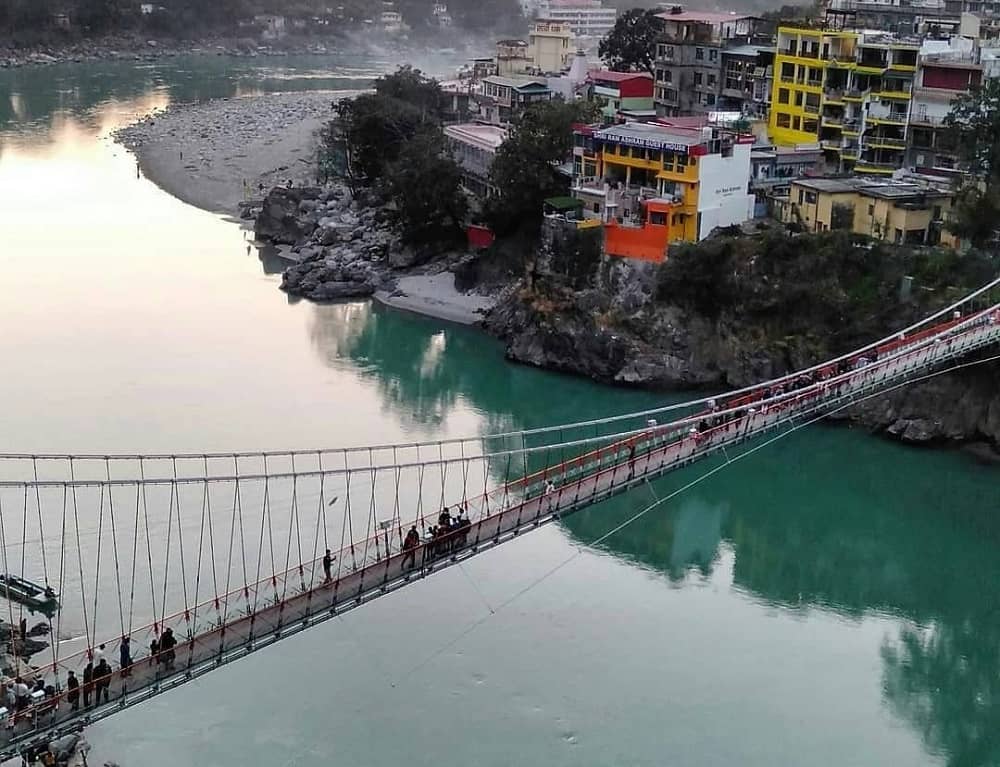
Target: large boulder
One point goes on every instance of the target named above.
(279, 220)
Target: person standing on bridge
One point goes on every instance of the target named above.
(102, 681)
(73, 691)
(22, 694)
(88, 682)
(328, 566)
(410, 544)
(167, 644)
(125, 655)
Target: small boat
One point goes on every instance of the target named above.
(37, 598)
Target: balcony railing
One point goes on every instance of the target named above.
(812, 109)
(880, 141)
(926, 119)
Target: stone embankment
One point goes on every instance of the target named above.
(133, 48)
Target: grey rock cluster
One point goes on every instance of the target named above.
(344, 249)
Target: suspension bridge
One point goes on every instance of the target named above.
(169, 566)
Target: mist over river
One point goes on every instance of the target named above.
(831, 600)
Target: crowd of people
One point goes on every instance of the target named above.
(449, 534)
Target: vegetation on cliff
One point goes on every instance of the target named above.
(526, 168)
(845, 287)
(391, 143)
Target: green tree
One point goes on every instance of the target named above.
(424, 183)
(974, 122)
(631, 44)
(525, 169)
(374, 127)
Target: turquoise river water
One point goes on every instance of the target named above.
(831, 600)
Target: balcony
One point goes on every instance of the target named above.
(889, 119)
(926, 119)
(884, 143)
(831, 145)
(853, 95)
(881, 168)
(833, 95)
(833, 122)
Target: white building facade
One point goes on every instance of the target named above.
(587, 19)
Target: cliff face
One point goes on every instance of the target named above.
(620, 331)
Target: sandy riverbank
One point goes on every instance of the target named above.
(435, 295)
(210, 153)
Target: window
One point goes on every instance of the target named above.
(810, 126)
(697, 78)
(713, 54)
(658, 218)
(710, 99)
(711, 79)
(671, 94)
(798, 98)
(871, 210)
(699, 53)
(800, 196)
(783, 95)
(796, 123)
(783, 120)
(668, 76)
(811, 198)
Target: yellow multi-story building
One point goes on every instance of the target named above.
(847, 90)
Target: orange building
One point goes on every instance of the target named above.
(647, 242)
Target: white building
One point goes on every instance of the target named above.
(587, 19)
(391, 22)
(550, 46)
(474, 146)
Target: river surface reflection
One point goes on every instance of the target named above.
(828, 601)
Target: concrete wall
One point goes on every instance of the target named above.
(723, 196)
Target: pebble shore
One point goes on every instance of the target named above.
(215, 154)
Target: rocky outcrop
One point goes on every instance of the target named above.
(665, 347)
(345, 248)
(963, 406)
(279, 220)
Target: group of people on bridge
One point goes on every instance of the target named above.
(449, 534)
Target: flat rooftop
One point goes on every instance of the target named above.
(886, 190)
(488, 137)
(517, 82)
(706, 17)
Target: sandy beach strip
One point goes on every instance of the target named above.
(434, 295)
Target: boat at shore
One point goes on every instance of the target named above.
(35, 597)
